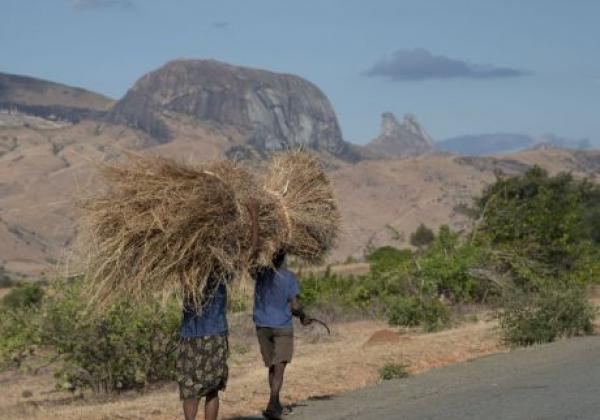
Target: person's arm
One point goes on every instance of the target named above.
(298, 311)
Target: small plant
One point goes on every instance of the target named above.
(554, 312)
(5, 280)
(421, 237)
(391, 371)
(26, 295)
(412, 311)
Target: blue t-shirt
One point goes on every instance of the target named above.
(272, 294)
(212, 319)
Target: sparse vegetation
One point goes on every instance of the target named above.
(391, 371)
(541, 298)
(128, 347)
(402, 286)
(535, 235)
(554, 312)
(25, 296)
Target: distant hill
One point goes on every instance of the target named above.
(486, 144)
(49, 100)
(491, 144)
(552, 141)
(405, 139)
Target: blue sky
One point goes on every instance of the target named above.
(461, 66)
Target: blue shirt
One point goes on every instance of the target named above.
(211, 320)
(272, 294)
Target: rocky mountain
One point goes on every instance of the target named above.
(406, 139)
(49, 100)
(270, 111)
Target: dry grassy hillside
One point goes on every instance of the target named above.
(383, 201)
(45, 167)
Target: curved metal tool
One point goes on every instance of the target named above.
(318, 321)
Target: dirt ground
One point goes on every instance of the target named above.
(323, 365)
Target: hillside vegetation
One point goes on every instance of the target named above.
(534, 250)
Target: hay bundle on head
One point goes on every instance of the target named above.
(309, 208)
(162, 227)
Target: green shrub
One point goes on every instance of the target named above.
(127, 347)
(554, 312)
(422, 237)
(542, 227)
(447, 265)
(26, 295)
(391, 371)
(19, 335)
(412, 311)
(327, 290)
(5, 280)
(388, 258)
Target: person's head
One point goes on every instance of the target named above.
(278, 259)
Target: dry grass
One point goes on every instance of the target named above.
(348, 359)
(160, 227)
(163, 227)
(310, 209)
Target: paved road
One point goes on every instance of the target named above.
(549, 382)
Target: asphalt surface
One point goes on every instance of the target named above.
(547, 382)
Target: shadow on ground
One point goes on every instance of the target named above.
(291, 407)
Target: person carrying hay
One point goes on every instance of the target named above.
(201, 365)
(275, 302)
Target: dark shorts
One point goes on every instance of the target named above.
(276, 344)
(202, 366)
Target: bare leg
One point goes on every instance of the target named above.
(276, 382)
(271, 373)
(211, 406)
(190, 408)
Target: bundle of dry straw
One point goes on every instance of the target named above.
(307, 201)
(162, 226)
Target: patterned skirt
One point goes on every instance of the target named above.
(202, 366)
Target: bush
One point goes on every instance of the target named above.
(5, 280)
(19, 334)
(412, 311)
(388, 258)
(542, 227)
(447, 265)
(391, 371)
(26, 295)
(554, 312)
(421, 237)
(129, 347)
